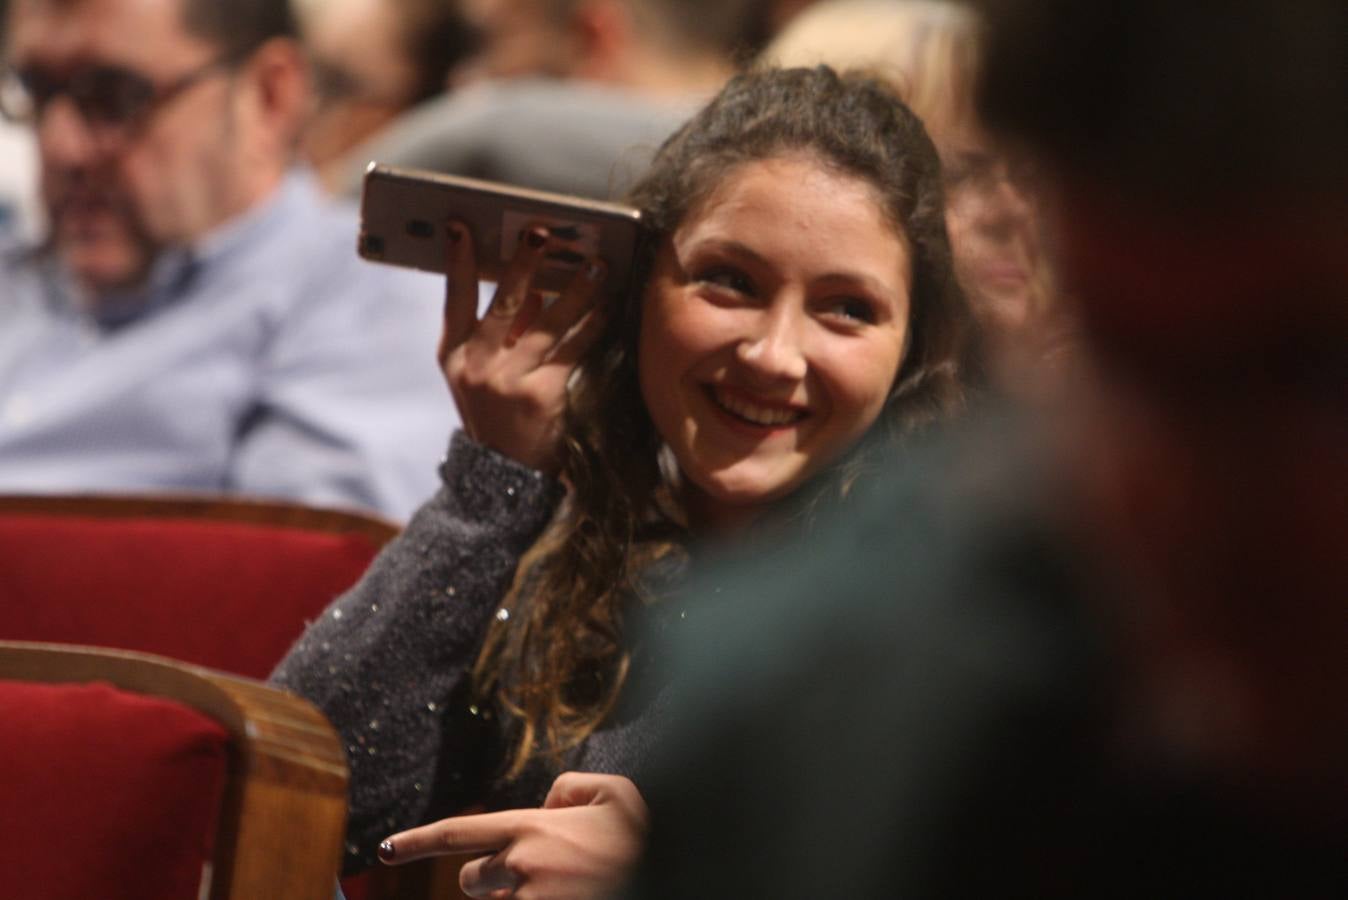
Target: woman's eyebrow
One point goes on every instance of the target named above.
(732, 248)
(736, 248)
(868, 283)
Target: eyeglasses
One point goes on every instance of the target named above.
(112, 99)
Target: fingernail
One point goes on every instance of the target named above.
(385, 850)
(452, 233)
(535, 237)
(594, 271)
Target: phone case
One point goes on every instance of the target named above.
(404, 213)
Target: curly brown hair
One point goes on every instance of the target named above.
(557, 666)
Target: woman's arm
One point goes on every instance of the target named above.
(387, 661)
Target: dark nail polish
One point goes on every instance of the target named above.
(535, 237)
(385, 850)
(453, 234)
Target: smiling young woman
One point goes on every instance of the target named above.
(795, 297)
(776, 319)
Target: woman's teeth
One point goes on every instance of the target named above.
(768, 416)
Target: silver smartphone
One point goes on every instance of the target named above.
(404, 214)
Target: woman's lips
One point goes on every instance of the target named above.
(756, 413)
(1004, 274)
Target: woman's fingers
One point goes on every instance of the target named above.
(578, 298)
(580, 844)
(572, 789)
(514, 288)
(568, 351)
(524, 319)
(460, 287)
(485, 833)
(488, 876)
(509, 374)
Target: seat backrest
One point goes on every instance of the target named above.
(223, 583)
(131, 776)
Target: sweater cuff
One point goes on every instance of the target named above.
(481, 479)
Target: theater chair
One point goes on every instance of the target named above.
(223, 583)
(220, 582)
(132, 777)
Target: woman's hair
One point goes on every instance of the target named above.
(557, 665)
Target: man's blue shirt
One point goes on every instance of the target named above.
(268, 360)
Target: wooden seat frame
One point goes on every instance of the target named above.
(284, 809)
(277, 513)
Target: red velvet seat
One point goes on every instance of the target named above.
(129, 777)
(226, 584)
(128, 787)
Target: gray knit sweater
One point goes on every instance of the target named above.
(388, 661)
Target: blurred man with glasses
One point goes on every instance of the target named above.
(196, 317)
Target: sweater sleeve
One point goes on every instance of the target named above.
(387, 662)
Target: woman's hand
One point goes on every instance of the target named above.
(581, 844)
(508, 371)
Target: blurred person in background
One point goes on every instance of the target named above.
(196, 317)
(571, 95)
(372, 61)
(1097, 655)
(929, 49)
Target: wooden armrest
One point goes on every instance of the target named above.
(284, 811)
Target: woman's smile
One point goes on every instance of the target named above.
(774, 325)
(756, 414)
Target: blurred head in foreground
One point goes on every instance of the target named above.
(1203, 201)
(1107, 661)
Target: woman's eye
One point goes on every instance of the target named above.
(729, 278)
(852, 309)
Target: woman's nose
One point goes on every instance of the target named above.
(1008, 203)
(774, 350)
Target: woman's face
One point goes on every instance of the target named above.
(774, 325)
(993, 224)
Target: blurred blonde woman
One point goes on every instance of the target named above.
(928, 51)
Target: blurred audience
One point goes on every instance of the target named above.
(373, 60)
(929, 49)
(1098, 655)
(196, 318)
(571, 95)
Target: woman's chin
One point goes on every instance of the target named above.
(1003, 305)
(736, 497)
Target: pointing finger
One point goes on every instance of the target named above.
(485, 833)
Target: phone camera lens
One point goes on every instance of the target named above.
(371, 246)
